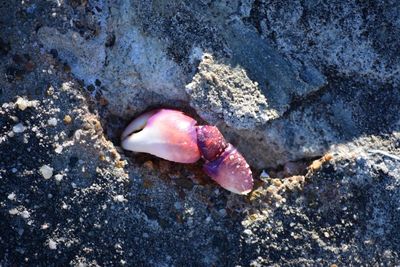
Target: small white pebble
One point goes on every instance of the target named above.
(58, 149)
(58, 177)
(52, 122)
(13, 211)
(14, 170)
(25, 214)
(119, 198)
(46, 171)
(23, 103)
(52, 244)
(11, 196)
(14, 118)
(19, 128)
(248, 232)
(264, 175)
(66, 86)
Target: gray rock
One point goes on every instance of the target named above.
(220, 92)
(333, 88)
(244, 88)
(345, 212)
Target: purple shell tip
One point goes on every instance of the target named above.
(231, 171)
(210, 141)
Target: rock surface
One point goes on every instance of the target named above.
(308, 91)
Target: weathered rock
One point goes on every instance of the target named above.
(102, 206)
(245, 88)
(220, 92)
(344, 212)
(353, 38)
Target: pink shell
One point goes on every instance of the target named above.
(165, 133)
(171, 135)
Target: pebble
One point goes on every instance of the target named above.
(46, 171)
(25, 214)
(23, 103)
(19, 128)
(13, 211)
(248, 232)
(52, 244)
(119, 198)
(66, 86)
(67, 119)
(50, 90)
(11, 196)
(264, 175)
(58, 149)
(52, 122)
(58, 177)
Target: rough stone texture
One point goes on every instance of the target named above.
(131, 55)
(347, 213)
(133, 72)
(354, 38)
(219, 92)
(287, 82)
